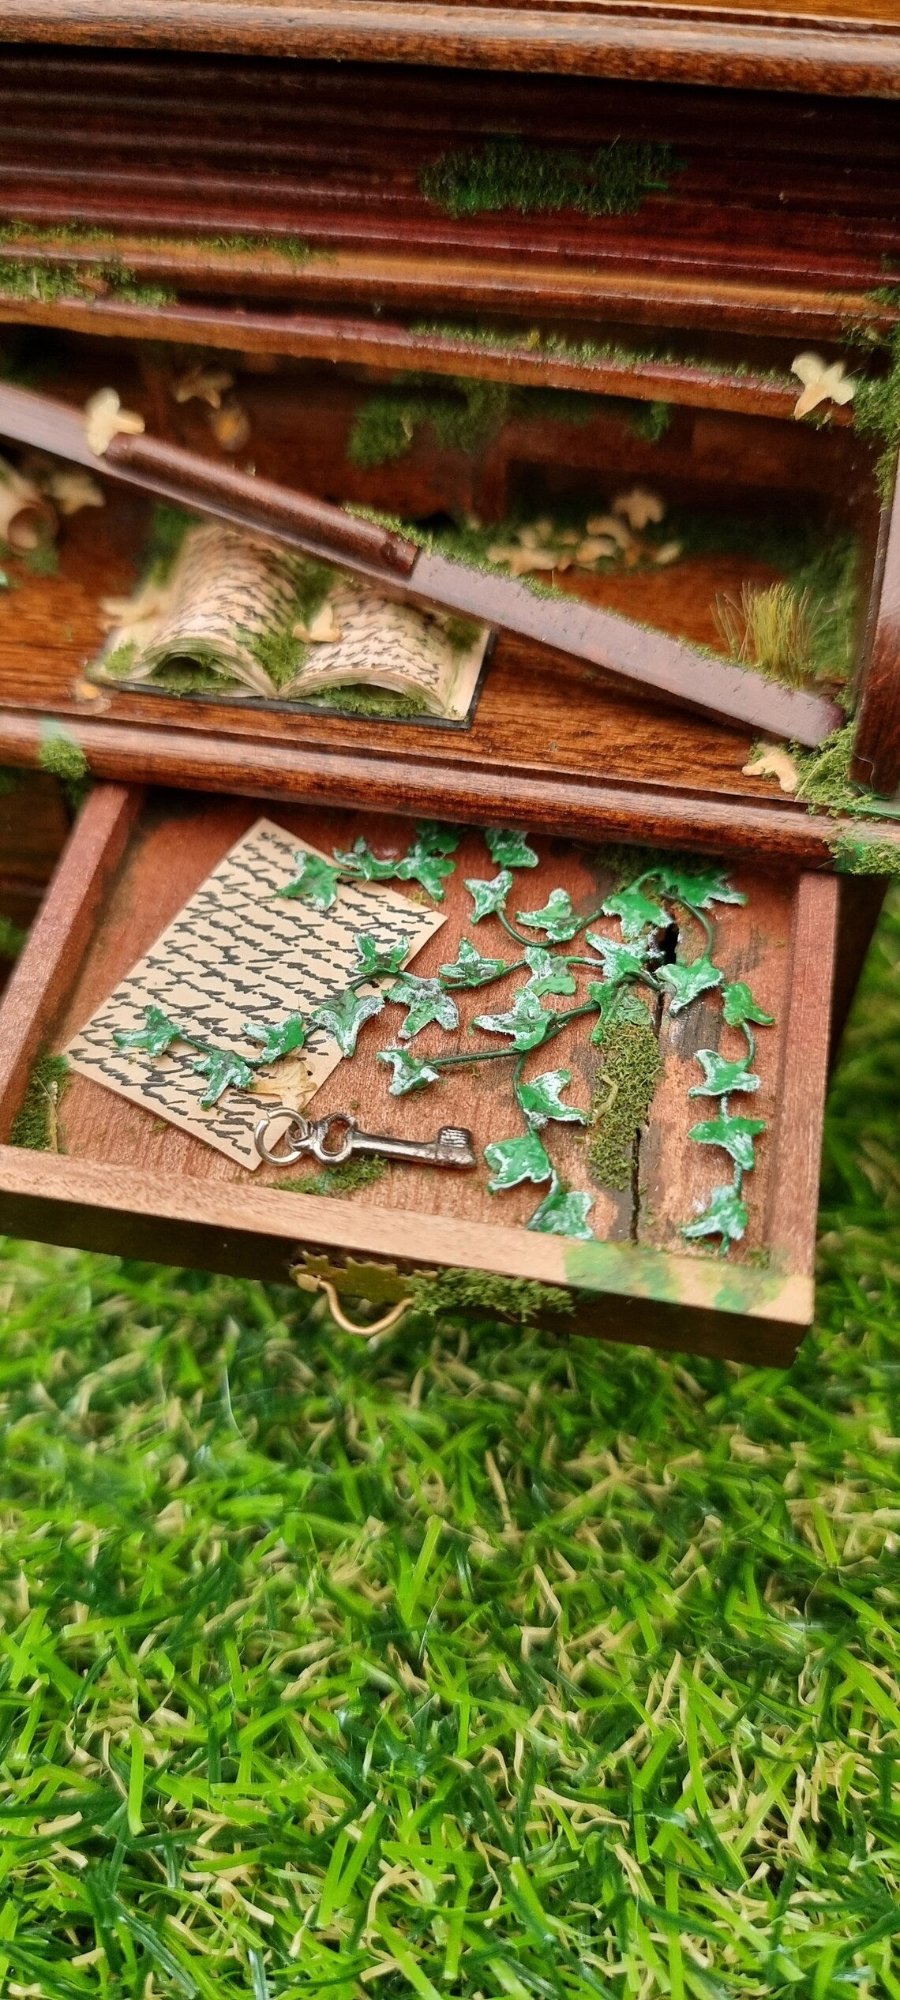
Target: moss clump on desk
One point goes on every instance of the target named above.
(511, 173)
(36, 1124)
(45, 284)
(63, 758)
(625, 1089)
(444, 1294)
(346, 1179)
(464, 412)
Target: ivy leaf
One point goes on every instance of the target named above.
(618, 1006)
(620, 961)
(735, 1135)
(343, 1016)
(277, 1040)
(223, 1071)
(437, 838)
(725, 1215)
(720, 1076)
(471, 968)
(548, 974)
(541, 1099)
(562, 1214)
(738, 1006)
(155, 1037)
(687, 982)
(363, 865)
(426, 1001)
(409, 1072)
(489, 897)
(315, 881)
(697, 888)
(509, 848)
(515, 1160)
(374, 958)
(526, 1022)
(557, 919)
(635, 911)
(423, 865)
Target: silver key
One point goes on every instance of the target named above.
(295, 1135)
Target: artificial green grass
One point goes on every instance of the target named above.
(468, 1662)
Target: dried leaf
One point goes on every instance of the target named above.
(639, 507)
(823, 382)
(104, 419)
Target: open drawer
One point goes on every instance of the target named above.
(114, 1177)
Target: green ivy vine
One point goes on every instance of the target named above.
(629, 979)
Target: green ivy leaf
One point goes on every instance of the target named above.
(687, 982)
(509, 848)
(720, 1076)
(375, 959)
(423, 865)
(471, 968)
(279, 1039)
(620, 961)
(735, 1135)
(436, 837)
(548, 974)
(315, 882)
(409, 1072)
(155, 1037)
(617, 1006)
(343, 1016)
(697, 888)
(363, 865)
(738, 1006)
(557, 919)
(223, 1071)
(426, 1001)
(526, 1021)
(489, 897)
(515, 1160)
(635, 911)
(562, 1214)
(541, 1099)
(725, 1215)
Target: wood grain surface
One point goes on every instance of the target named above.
(819, 46)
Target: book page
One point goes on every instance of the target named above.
(387, 644)
(225, 590)
(238, 952)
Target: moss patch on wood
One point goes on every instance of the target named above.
(342, 1180)
(461, 1293)
(511, 173)
(379, 703)
(45, 284)
(36, 1125)
(854, 855)
(12, 938)
(63, 758)
(624, 1092)
(464, 413)
(876, 404)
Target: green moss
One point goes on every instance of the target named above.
(346, 1179)
(279, 654)
(463, 414)
(463, 1292)
(373, 701)
(12, 938)
(45, 283)
(625, 1089)
(117, 665)
(853, 855)
(35, 1125)
(59, 754)
(557, 347)
(876, 411)
(42, 561)
(509, 173)
(650, 421)
(10, 781)
(168, 527)
(825, 779)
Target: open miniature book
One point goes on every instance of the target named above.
(236, 617)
